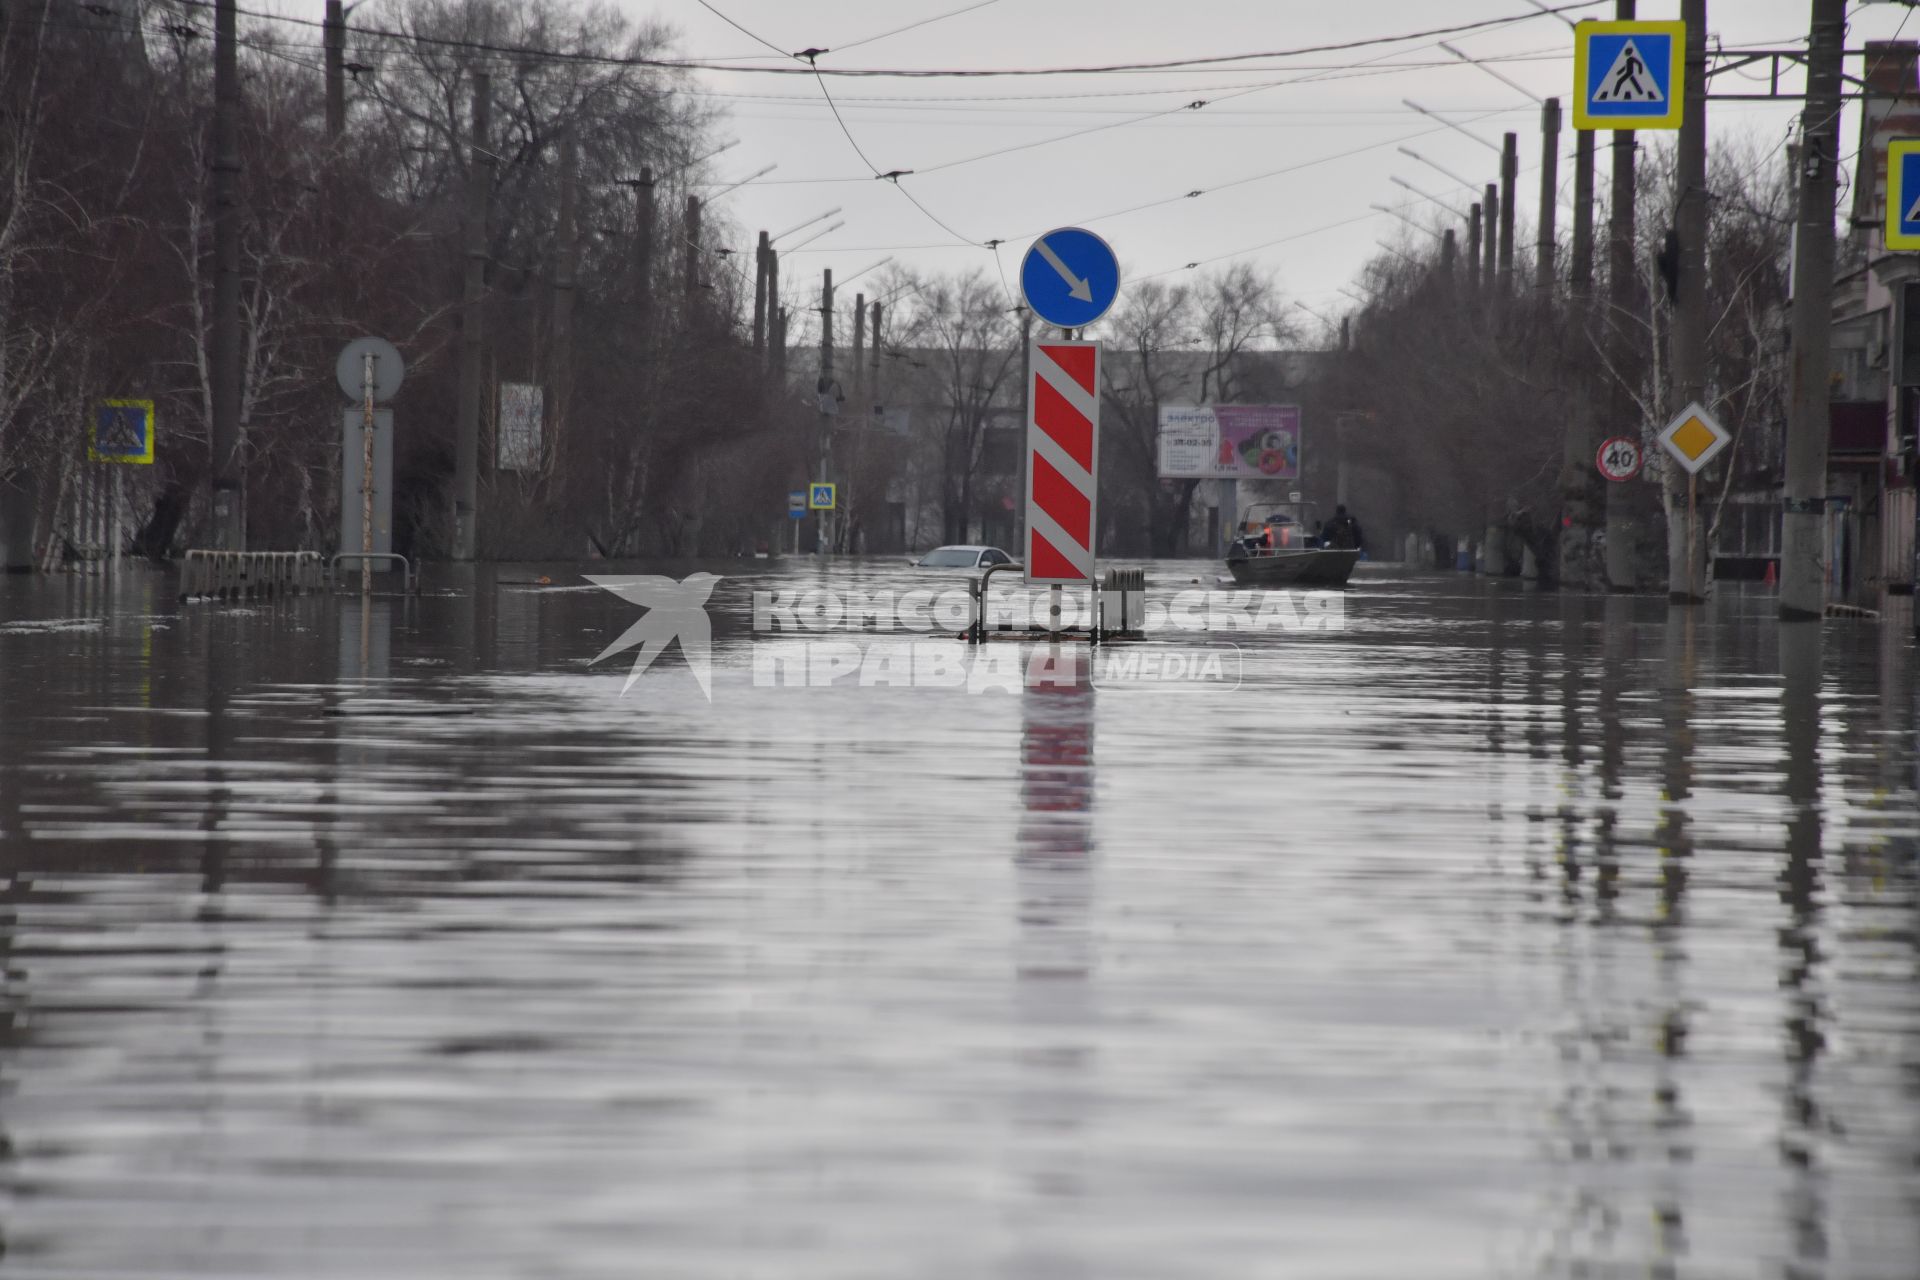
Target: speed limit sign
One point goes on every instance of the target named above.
(1620, 458)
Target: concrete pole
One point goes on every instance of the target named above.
(693, 251)
(1509, 174)
(466, 463)
(643, 238)
(1580, 481)
(1686, 574)
(1448, 251)
(1623, 292)
(333, 37)
(1489, 265)
(776, 319)
(760, 298)
(1803, 525)
(223, 355)
(565, 282)
(1473, 250)
(1549, 196)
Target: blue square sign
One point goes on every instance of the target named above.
(1629, 75)
(1903, 193)
(820, 497)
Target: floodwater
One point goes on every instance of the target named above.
(1499, 934)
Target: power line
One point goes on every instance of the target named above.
(911, 26)
(742, 30)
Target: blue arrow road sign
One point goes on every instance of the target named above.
(1903, 194)
(1070, 277)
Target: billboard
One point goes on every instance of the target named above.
(1230, 442)
(522, 412)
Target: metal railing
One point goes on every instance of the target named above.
(1118, 606)
(232, 575)
(409, 577)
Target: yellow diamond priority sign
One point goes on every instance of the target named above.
(1694, 439)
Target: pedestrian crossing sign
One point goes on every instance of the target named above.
(122, 432)
(1629, 75)
(821, 497)
(1903, 193)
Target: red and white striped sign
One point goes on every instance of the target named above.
(1063, 461)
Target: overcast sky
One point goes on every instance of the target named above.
(1289, 152)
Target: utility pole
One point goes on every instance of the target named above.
(760, 253)
(1802, 565)
(1549, 196)
(643, 238)
(1509, 174)
(333, 37)
(1686, 580)
(1490, 201)
(1449, 250)
(693, 252)
(1579, 479)
(223, 356)
(565, 280)
(1473, 250)
(466, 464)
(873, 417)
(1622, 293)
(824, 445)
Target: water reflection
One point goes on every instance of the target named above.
(1502, 935)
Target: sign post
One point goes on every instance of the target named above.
(1070, 278)
(1693, 440)
(369, 370)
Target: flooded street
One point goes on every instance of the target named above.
(1498, 934)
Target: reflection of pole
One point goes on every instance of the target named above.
(366, 482)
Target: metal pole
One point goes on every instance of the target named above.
(692, 230)
(466, 467)
(565, 285)
(1802, 578)
(229, 533)
(644, 218)
(1549, 195)
(119, 497)
(1026, 411)
(824, 445)
(1689, 367)
(366, 480)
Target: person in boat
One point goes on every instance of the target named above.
(1342, 532)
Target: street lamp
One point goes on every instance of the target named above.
(1520, 89)
(799, 244)
(761, 173)
(1402, 182)
(1411, 153)
(809, 222)
(1458, 128)
(1393, 212)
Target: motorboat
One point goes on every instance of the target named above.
(1273, 547)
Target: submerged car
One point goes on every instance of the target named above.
(962, 557)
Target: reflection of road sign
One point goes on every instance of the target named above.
(820, 497)
(1063, 461)
(1628, 75)
(349, 370)
(1620, 458)
(1694, 438)
(122, 432)
(1903, 194)
(1070, 277)
(797, 504)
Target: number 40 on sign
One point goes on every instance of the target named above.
(1620, 459)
